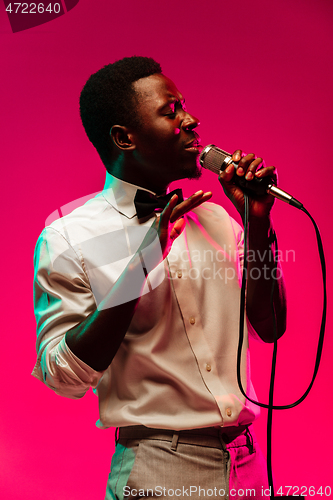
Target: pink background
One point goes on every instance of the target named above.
(259, 76)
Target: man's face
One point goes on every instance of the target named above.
(166, 145)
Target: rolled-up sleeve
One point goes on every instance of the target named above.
(62, 298)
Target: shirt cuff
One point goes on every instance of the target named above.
(74, 367)
(61, 370)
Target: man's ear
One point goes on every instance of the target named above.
(122, 137)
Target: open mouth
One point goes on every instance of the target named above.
(194, 146)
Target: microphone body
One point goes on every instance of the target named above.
(216, 160)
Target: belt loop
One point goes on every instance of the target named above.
(223, 444)
(116, 435)
(175, 438)
(249, 440)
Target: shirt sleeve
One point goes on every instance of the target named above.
(62, 299)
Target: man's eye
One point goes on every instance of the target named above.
(172, 111)
(174, 107)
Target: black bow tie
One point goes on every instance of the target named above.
(146, 203)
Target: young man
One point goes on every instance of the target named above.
(137, 295)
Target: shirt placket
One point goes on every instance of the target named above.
(184, 292)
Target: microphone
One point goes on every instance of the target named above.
(215, 159)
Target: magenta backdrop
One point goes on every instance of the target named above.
(259, 76)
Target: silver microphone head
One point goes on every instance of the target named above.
(214, 158)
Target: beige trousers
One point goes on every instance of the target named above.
(198, 464)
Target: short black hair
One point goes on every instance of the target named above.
(108, 98)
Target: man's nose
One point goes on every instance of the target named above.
(190, 122)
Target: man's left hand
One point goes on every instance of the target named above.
(248, 167)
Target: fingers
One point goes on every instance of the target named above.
(177, 229)
(166, 214)
(226, 175)
(170, 224)
(205, 197)
(248, 166)
(267, 172)
(237, 155)
(189, 204)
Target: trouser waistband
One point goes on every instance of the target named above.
(207, 436)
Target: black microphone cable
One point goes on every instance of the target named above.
(270, 406)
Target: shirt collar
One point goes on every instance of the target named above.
(121, 194)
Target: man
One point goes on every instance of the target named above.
(143, 305)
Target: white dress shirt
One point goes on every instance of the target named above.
(176, 367)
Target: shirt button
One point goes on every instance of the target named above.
(179, 274)
(192, 320)
(228, 412)
(208, 367)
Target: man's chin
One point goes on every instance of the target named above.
(189, 170)
(195, 173)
